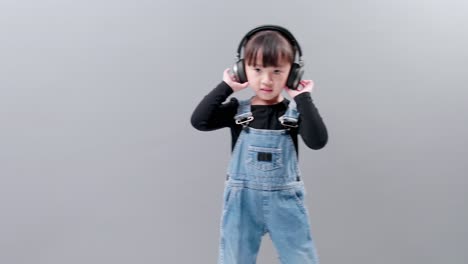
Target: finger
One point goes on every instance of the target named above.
(226, 73)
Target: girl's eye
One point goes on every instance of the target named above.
(277, 72)
(257, 69)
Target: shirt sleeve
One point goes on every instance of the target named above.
(212, 113)
(311, 126)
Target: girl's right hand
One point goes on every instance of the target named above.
(229, 78)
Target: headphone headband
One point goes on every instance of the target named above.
(279, 29)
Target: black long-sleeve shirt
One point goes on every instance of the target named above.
(212, 113)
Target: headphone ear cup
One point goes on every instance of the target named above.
(239, 71)
(295, 76)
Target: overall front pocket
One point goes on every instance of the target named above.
(299, 196)
(264, 159)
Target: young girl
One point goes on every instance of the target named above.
(264, 191)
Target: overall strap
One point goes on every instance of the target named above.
(244, 114)
(291, 116)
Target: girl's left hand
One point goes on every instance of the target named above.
(304, 86)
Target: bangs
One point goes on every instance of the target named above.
(271, 46)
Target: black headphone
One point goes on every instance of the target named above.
(297, 68)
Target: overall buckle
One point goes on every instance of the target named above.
(288, 122)
(244, 120)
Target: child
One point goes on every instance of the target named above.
(264, 191)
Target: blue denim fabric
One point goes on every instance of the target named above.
(265, 194)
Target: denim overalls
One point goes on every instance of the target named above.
(263, 194)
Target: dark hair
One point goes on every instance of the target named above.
(273, 46)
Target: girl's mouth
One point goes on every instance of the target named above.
(266, 90)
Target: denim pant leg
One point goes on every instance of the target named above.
(241, 226)
(289, 227)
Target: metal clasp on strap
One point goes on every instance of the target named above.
(288, 121)
(244, 120)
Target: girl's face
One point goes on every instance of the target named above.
(267, 82)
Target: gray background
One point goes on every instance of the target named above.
(99, 162)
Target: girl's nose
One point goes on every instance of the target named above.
(266, 79)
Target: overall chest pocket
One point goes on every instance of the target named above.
(264, 159)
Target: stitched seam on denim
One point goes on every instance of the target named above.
(295, 157)
(236, 147)
(299, 202)
(268, 131)
(264, 187)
